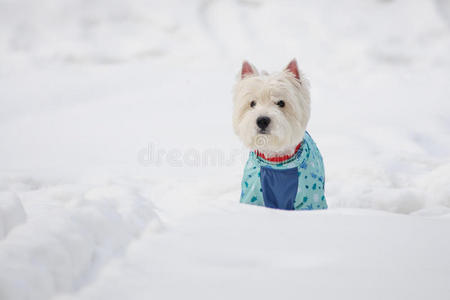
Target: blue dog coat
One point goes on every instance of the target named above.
(297, 183)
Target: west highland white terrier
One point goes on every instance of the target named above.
(270, 114)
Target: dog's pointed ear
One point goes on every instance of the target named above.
(293, 68)
(247, 69)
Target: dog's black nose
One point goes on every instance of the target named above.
(263, 122)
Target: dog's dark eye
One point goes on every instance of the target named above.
(253, 103)
(281, 103)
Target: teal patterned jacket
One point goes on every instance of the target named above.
(297, 183)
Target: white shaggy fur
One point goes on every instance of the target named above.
(288, 124)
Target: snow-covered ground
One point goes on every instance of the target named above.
(120, 174)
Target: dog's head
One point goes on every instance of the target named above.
(271, 111)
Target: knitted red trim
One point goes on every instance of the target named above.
(278, 159)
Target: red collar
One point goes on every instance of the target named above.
(278, 159)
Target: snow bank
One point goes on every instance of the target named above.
(11, 213)
(247, 252)
(70, 233)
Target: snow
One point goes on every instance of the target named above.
(69, 233)
(241, 255)
(11, 212)
(120, 174)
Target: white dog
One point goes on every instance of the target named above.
(270, 115)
